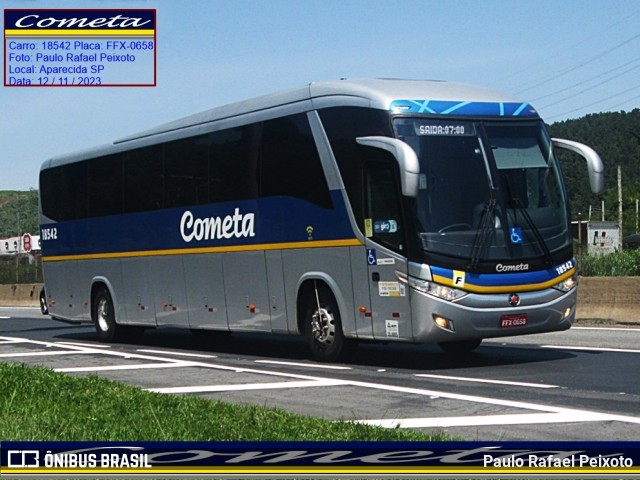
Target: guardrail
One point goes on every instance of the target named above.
(20, 295)
(605, 299)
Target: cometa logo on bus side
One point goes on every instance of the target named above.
(237, 225)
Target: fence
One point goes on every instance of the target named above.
(21, 268)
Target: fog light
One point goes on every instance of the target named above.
(444, 323)
(567, 312)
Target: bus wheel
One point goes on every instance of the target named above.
(465, 346)
(104, 317)
(323, 328)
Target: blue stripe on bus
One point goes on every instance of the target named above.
(486, 109)
(497, 282)
(275, 220)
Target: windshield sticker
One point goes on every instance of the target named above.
(515, 233)
(385, 226)
(368, 227)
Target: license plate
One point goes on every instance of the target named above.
(518, 320)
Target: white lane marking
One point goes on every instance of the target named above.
(591, 349)
(610, 329)
(484, 380)
(492, 401)
(2, 317)
(15, 340)
(306, 365)
(128, 355)
(89, 345)
(251, 386)
(108, 368)
(487, 420)
(181, 354)
(41, 354)
(316, 381)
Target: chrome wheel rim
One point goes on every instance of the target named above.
(323, 326)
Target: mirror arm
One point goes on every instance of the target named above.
(594, 162)
(404, 155)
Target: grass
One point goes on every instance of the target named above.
(38, 404)
(618, 264)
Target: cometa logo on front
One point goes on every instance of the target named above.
(522, 267)
(237, 225)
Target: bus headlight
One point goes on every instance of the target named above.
(568, 284)
(440, 291)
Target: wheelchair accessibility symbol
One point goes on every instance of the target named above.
(371, 256)
(516, 235)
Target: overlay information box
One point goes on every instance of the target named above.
(89, 48)
(411, 460)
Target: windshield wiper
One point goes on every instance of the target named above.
(548, 258)
(483, 234)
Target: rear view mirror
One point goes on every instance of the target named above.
(594, 162)
(404, 155)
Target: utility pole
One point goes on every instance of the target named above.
(580, 236)
(620, 204)
(18, 250)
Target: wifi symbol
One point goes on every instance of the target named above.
(309, 230)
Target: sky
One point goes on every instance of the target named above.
(568, 58)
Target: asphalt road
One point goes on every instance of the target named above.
(582, 384)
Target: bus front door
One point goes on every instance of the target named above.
(389, 296)
(390, 308)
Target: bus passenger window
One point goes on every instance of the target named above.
(186, 172)
(290, 164)
(143, 180)
(233, 164)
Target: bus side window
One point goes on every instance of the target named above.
(186, 172)
(383, 204)
(63, 191)
(104, 190)
(143, 180)
(233, 163)
(290, 164)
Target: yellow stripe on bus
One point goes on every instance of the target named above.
(527, 287)
(348, 242)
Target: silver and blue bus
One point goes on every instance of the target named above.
(346, 211)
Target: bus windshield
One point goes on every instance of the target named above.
(488, 191)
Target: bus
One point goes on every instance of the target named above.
(354, 210)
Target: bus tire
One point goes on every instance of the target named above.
(464, 346)
(44, 307)
(104, 317)
(323, 327)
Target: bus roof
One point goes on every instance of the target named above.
(398, 95)
(374, 93)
